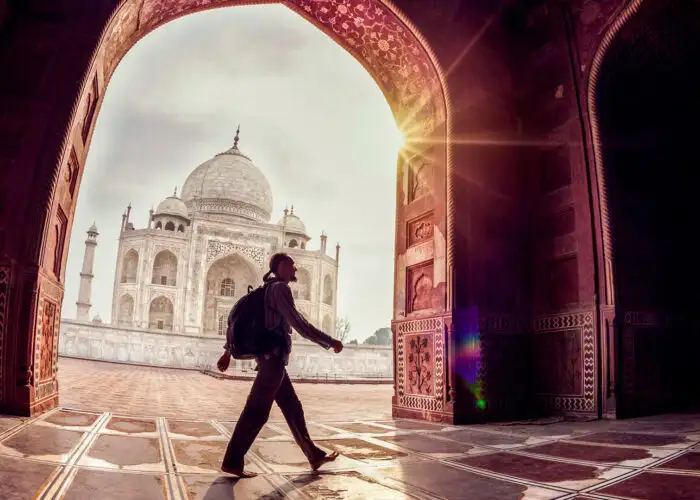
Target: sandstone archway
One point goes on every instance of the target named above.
(644, 162)
(373, 31)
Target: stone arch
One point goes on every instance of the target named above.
(232, 273)
(375, 32)
(293, 243)
(160, 314)
(301, 290)
(164, 269)
(130, 267)
(181, 228)
(644, 164)
(327, 325)
(170, 226)
(328, 291)
(159, 225)
(126, 310)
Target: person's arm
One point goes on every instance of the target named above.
(284, 304)
(229, 340)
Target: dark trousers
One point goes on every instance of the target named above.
(272, 383)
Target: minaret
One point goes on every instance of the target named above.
(324, 240)
(284, 227)
(86, 275)
(337, 254)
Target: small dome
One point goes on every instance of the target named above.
(92, 229)
(293, 224)
(172, 205)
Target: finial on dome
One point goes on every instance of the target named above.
(286, 211)
(175, 192)
(292, 212)
(236, 139)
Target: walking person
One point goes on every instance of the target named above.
(272, 383)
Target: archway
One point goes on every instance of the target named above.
(642, 110)
(302, 288)
(328, 290)
(164, 269)
(130, 267)
(391, 50)
(160, 314)
(126, 310)
(228, 279)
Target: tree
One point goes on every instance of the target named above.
(381, 336)
(353, 342)
(342, 328)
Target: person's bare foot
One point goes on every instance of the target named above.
(328, 458)
(243, 474)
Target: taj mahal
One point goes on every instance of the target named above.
(176, 279)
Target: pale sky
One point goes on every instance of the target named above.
(312, 119)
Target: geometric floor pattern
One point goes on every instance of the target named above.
(75, 454)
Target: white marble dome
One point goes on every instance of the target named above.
(229, 184)
(172, 205)
(293, 225)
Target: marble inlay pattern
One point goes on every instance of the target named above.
(73, 454)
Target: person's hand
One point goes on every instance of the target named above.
(224, 361)
(337, 346)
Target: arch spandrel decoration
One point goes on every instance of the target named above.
(369, 29)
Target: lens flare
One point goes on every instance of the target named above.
(468, 355)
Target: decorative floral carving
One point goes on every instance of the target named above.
(368, 29)
(420, 230)
(122, 33)
(233, 207)
(216, 249)
(419, 364)
(48, 320)
(408, 380)
(584, 322)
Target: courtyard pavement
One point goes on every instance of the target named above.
(169, 444)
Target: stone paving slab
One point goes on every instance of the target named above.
(119, 456)
(155, 433)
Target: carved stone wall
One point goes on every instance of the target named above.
(519, 163)
(420, 371)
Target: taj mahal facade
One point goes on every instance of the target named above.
(176, 279)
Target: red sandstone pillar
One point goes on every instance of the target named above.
(29, 302)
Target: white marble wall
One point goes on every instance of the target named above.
(167, 349)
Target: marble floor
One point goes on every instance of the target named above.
(89, 455)
(127, 432)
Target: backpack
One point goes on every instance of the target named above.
(246, 334)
